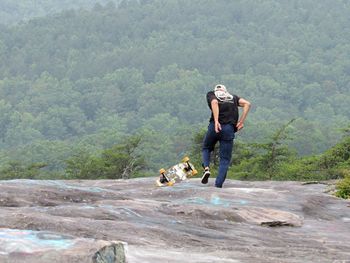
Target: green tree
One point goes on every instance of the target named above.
(336, 160)
(118, 162)
(5, 118)
(263, 160)
(17, 170)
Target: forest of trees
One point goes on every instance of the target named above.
(82, 82)
(12, 12)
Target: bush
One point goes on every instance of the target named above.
(17, 170)
(343, 187)
(119, 161)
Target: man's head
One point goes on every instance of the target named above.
(221, 93)
(220, 87)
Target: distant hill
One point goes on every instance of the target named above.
(85, 79)
(22, 10)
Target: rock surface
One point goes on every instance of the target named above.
(188, 222)
(43, 247)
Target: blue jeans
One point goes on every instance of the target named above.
(225, 137)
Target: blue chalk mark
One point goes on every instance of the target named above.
(243, 202)
(88, 207)
(213, 201)
(196, 200)
(217, 201)
(29, 241)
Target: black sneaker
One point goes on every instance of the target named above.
(205, 177)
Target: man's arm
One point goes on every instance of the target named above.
(215, 109)
(246, 107)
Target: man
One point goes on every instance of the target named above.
(223, 124)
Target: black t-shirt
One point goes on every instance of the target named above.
(228, 110)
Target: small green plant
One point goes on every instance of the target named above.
(343, 187)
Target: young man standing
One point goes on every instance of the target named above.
(223, 124)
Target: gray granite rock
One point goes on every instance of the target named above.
(287, 222)
(27, 246)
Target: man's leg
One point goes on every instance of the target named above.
(209, 142)
(226, 145)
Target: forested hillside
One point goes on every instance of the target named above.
(22, 10)
(81, 81)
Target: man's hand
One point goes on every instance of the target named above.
(246, 107)
(239, 125)
(217, 127)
